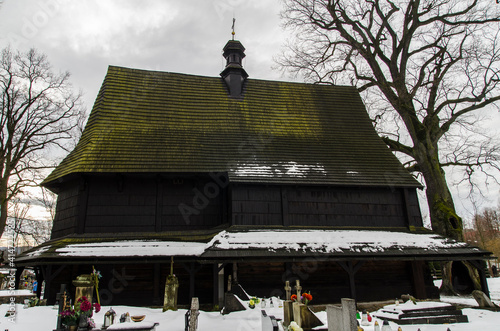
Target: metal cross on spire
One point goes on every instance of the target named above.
(233, 33)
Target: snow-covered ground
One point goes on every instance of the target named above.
(44, 318)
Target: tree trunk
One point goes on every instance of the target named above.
(444, 218)
(3, 206)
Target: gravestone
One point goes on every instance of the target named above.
(299, 290)
(171, 287)
(342, 318)
(483, 300)
(61, 298)
(193, 317)
(269, 323)
(84, 287)
(287, 305)
(231, 303)
(349, 314)
(306, 319)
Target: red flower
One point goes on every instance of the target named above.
(293, 297)
(97, 307)
(307, 296)
(85, 306)
(81, 299)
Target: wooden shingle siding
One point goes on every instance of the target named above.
(256, 205)
(118, 204)
(190, 204)
(146, 203)
(322, 206)
(66, 217)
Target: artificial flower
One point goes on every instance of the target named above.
(294, 326)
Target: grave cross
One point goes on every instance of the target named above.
(288, 290)
(299, 290)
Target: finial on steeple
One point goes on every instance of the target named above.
(233, 33)
(234, 75)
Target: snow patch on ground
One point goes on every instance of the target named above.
(45, 318)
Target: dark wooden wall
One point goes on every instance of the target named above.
(67, 209)
(153, 203)
(144, 284)
(324, 206)
(115, 203)
(328, 282)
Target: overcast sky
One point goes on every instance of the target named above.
(85, 37)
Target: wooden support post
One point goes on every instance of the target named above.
(39, 280)
(215, 284)
(351, 270)
(417, 268)
(235, 273)
(192, 270)
(220, 294)
(156, 284)
(48, 276)
(479, 264)
(218, 281)
(19, 271)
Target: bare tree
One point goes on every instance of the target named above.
(39, 111)
(426, 66)
(486, 231)
(27, 231)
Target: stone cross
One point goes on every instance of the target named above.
(288, 290)
(299, 290)
(61, 298)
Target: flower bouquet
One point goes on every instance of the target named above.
(305, 298)
(69, 317)
(82, 313)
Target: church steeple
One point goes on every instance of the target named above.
(234, 75)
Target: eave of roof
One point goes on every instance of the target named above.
(279, 132)
(273, 244)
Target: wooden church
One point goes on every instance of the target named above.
(263, 181)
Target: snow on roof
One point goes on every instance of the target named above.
(133, 248)
(267, 242)
(331, 241)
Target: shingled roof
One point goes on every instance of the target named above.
(277, 132)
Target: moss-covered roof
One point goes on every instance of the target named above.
(278, 132)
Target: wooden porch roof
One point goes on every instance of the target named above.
(238, 244)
